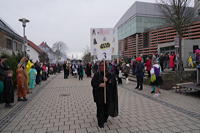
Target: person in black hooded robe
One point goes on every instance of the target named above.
(110, 108)
(9, 89)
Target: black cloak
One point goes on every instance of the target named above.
(111, 92)
(8, 90)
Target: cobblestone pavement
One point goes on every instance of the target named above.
(66, 106)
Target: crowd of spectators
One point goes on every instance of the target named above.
(28, 75)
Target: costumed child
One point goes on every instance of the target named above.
(32, 77)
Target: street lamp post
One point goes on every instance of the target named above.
(24, 21)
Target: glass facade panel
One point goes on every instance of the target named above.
(138, 25)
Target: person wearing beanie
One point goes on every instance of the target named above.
(139, 72)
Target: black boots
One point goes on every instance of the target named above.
(22, 99)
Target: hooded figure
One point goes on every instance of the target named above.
(110, 108)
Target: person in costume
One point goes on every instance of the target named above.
(190, 62)
(28, 68)
(110, 106)
(22, 80)
(8, 89)
(32, 77)
(80, 72)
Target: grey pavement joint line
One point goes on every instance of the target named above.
(179, 109)
(13, 113)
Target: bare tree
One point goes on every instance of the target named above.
(43, 57)
(179, 14)
(60, 48)
(86, 55)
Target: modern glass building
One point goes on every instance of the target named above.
(139, 17)
(143, 30)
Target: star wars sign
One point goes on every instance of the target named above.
(104, 52)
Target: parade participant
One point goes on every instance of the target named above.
(110, 106)
(155, 71)
(88, 70)
(32, 77)
(65, 70)
(120, 76)
(139, 72)
(8, 89)
(22, 80)
(95, 68)
(80, 72)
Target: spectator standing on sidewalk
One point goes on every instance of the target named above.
(190, 62)
(161, 60)
(110, 107)
(39, 71)
(32, 77)
(3, 74)
(172, 59)
(148, 65)
(126, 72)
(139, 72)
(133, 65)
(22, 80)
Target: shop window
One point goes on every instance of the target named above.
(9, 43)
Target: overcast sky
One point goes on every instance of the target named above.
(63, 20)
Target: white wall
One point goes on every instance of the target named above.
(188, 49)
(33, 54)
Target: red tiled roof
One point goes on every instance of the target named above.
(34, 46)
(44, 45)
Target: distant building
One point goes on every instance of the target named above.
(10, 41)
(49, 51)
(33, 51)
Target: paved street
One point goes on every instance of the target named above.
(66, 106)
